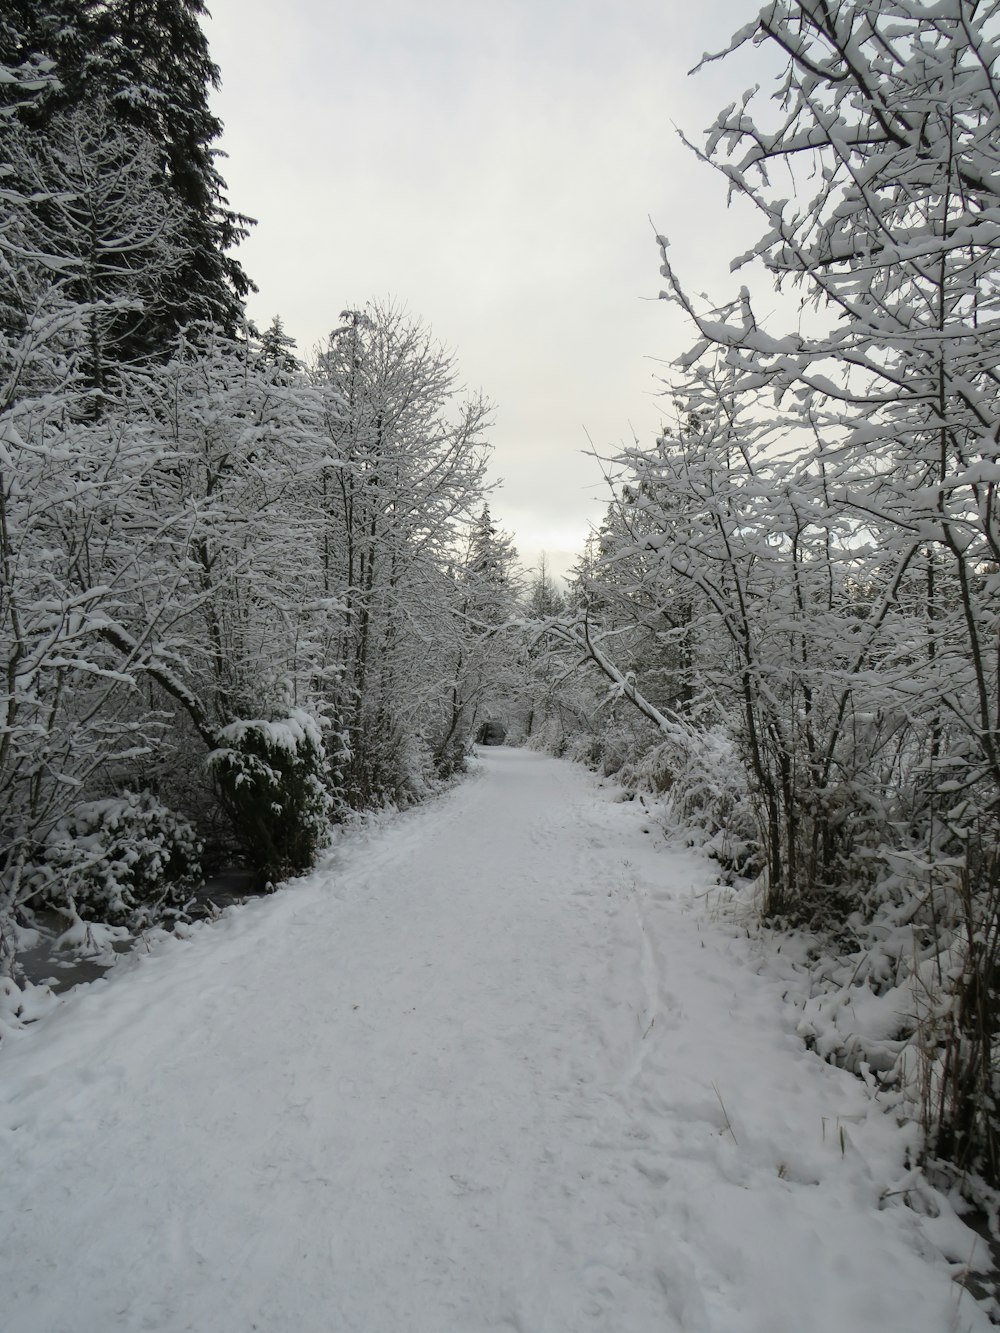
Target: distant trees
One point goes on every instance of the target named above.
(544, 596)
(485, 648)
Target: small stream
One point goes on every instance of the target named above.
(63, 968)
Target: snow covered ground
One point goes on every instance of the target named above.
(494, 1067)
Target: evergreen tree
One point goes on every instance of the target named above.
(145, 65)
(158, 75)
(489, 573)
(277, 348)
(95, 206)
(544, 598)
(59, 33)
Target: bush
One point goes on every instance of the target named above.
(271, 780)
(108, 859)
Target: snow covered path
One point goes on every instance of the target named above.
(492, 1068)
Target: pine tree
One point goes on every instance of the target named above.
(145, 65)
(544, 597)
(489, 573)
(159, 73)
(277, 348)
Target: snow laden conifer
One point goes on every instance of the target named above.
(272, 779)
(545, 598)
(142, 69)
(157, 71)
(95, 203)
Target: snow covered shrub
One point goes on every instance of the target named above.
(583, 748)
(398, 766)
(914, 1002)
(398, 760)
(271, 780)
(708, 796)
(962, 1076)
(450, 758)
(612, 742)
(110, 858)
(21, 1003)
(415, 768)
(616, 749)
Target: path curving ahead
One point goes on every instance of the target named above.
(492, 1068)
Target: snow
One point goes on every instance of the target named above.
(498, 1065)
(288, 734)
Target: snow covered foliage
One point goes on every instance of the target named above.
(152, 615)
(116, 860)
(803, 570)
(98, 202)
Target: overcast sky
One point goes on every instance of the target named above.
(498, 166)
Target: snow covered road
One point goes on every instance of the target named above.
(493, 1067)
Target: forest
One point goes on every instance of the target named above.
(247, 594)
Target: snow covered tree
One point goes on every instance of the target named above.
(277, 348)
(405, 473)
(893, 108)
(146, 65)
(26, 73)
(48, 645)
(149, 615)
(95, 200)
(489, 572)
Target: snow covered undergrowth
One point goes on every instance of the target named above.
(492, 1067)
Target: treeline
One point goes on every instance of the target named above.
(795, 595)
(240, 596)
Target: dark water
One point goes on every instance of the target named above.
(62, 968)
